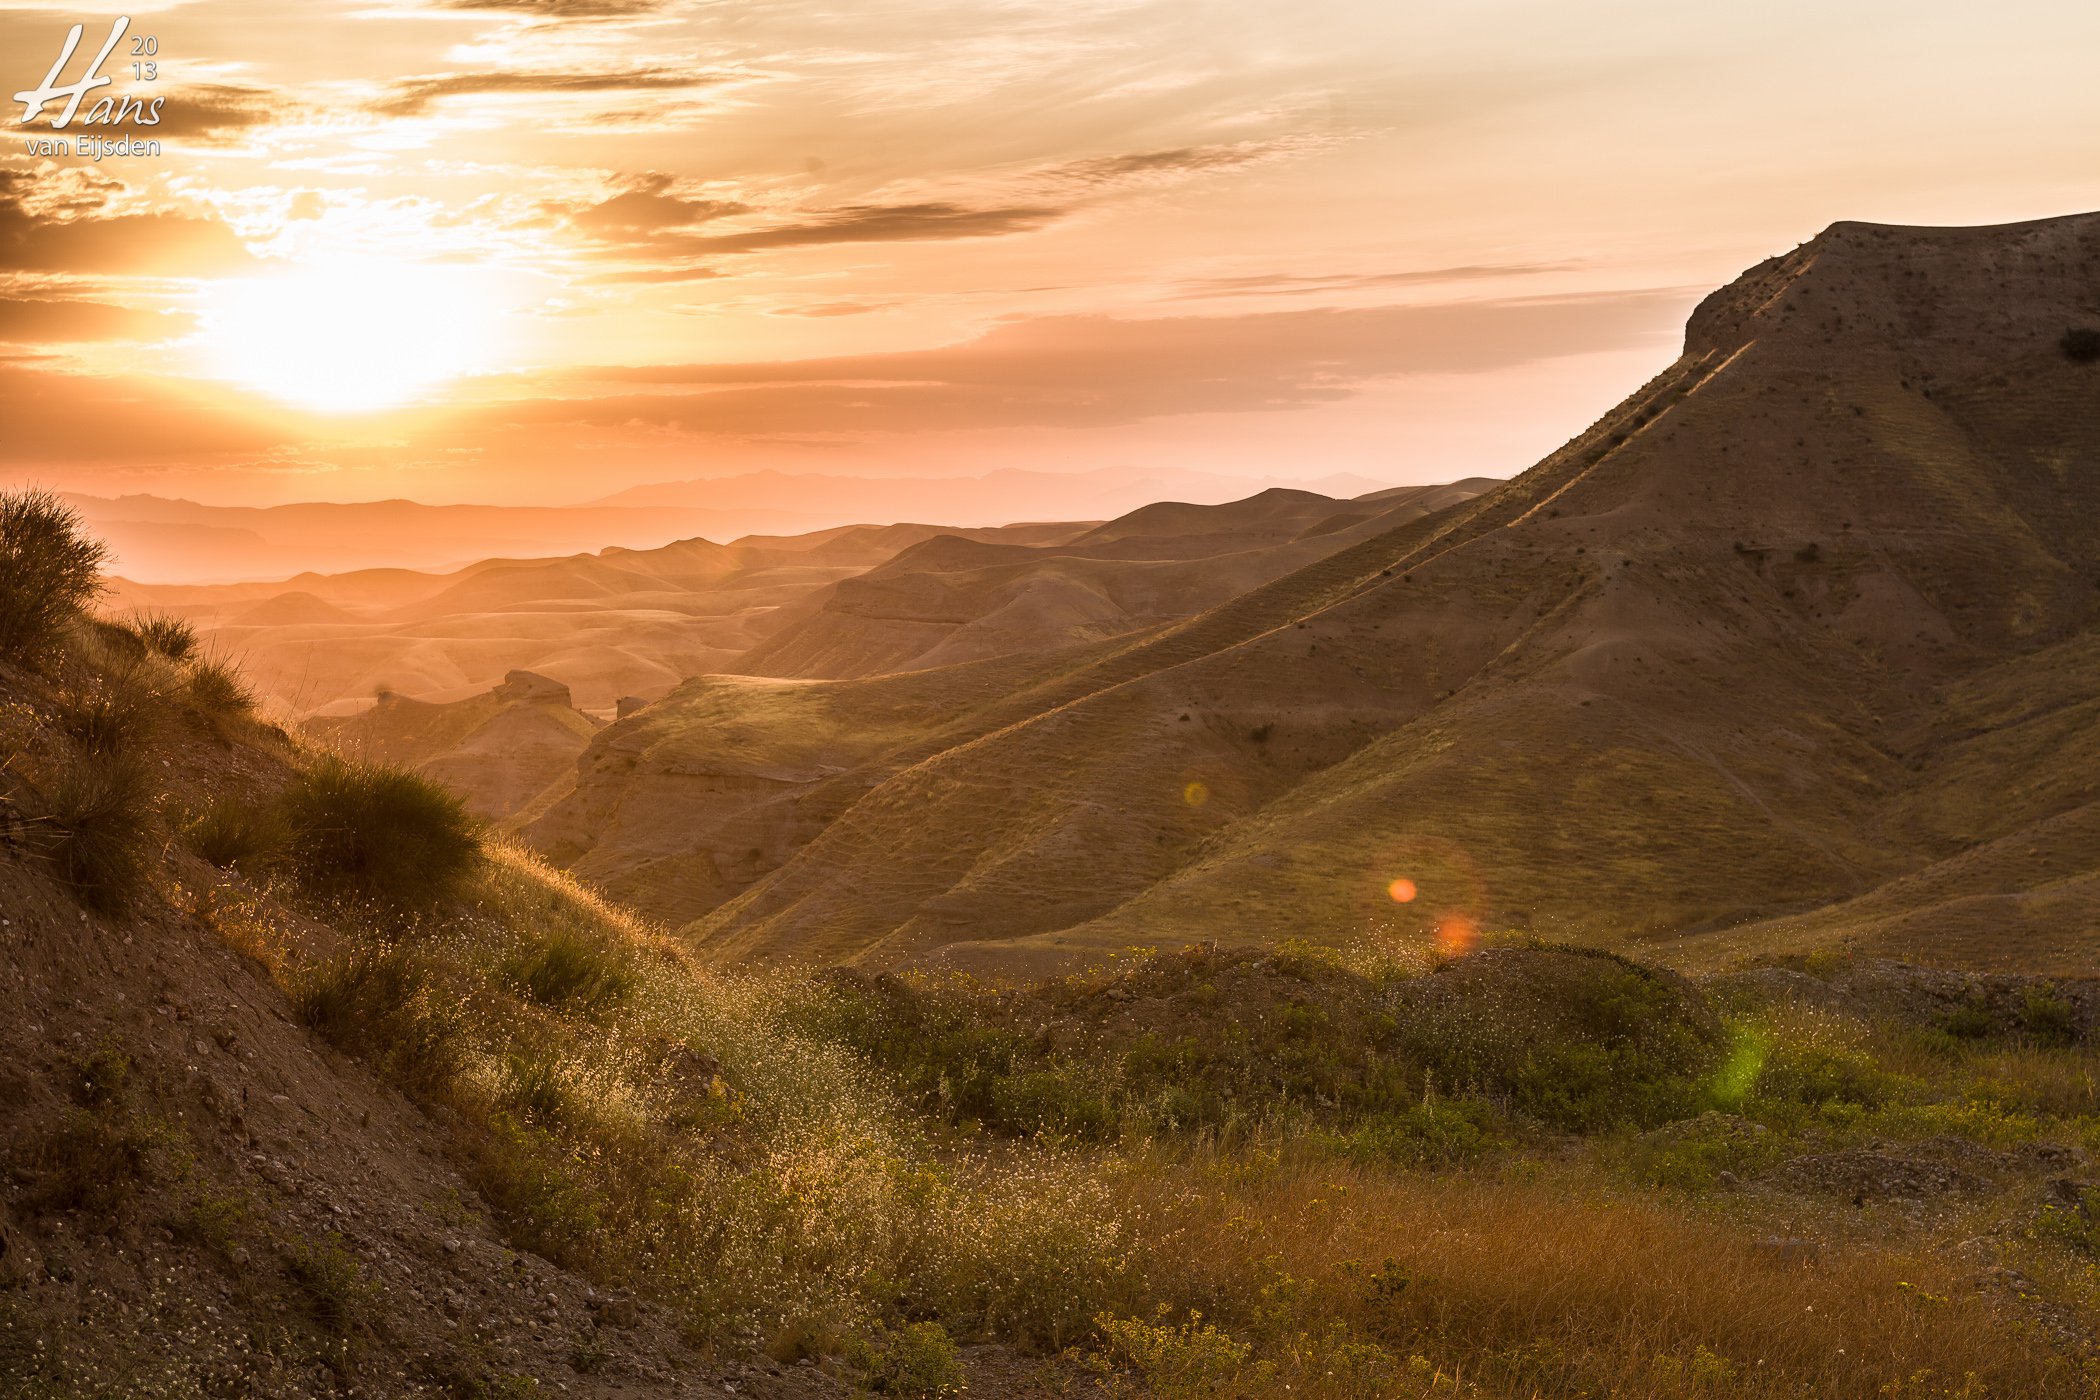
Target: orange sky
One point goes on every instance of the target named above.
(542, 250)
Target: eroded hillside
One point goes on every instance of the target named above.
(1752, 645)
(310, 1088)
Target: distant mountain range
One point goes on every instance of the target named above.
(157, 540)
(1798, 646)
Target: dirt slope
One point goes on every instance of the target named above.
(1720, 659)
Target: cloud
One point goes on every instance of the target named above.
(833, 308)
(133, 420)
(1094, 371)
(1288, 284)
(60, 225)
(694, 273)
(647, 208)
(648, 219)
(562, 11)
(877, 223)
(648, 226)
(414, 96)
(208, 112)
(1152, 167)
(54, 320)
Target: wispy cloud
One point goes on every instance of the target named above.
(62, 320)
(648, 207)
(879, 223)
(414, 96)
(1297, 284)
(562, 11)
(72, 226)
(1095, 371)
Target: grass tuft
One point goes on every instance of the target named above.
(173, 637)
(116, 710)
(336, 1290)
(917, 1362)
(230, 832)
(100, 828)
(378, 1001)
(377, 832)
(49, 572)
(565, 968)
(217, 691)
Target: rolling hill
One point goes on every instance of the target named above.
(953, 599)
(499, 750)
(1793, 645)
(614, 623)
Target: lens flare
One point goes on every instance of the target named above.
(1456, 935)
(1402, 890)
(1195, 794)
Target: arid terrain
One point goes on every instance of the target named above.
(1804, 632)
(1630, 930)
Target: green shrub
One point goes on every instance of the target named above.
(532, 1179)
(99, 829)
(918, 1361)
(230, 832)
(380, 1002)
(100, 1077)
(49, 572)
(537, 1091)
(1815, 1077)
(173, 637)
(2047, 1018)
(1972, 1020)
(1050, 1101)
(2076, 1226)
(211, 1221)
(377, 832)
(1433, 1132)
(1194, 1361)
(337, 1292)
(565, 968)
(114, 711)
(1578, 1038)
(92, 1161)
(1690, 1156)
(217, 691)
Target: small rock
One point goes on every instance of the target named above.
(615, 1310)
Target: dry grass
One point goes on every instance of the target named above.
(702, 1142)
(49, 572)
(1555, 1285)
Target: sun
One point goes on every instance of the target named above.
(348, 335)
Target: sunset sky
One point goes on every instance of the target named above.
(536, 251)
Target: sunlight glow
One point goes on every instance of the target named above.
(349, 336)
(1402, 890)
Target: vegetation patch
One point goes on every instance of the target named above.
(377, 832)
(100, 827)
(566, 968)
(49, 572)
